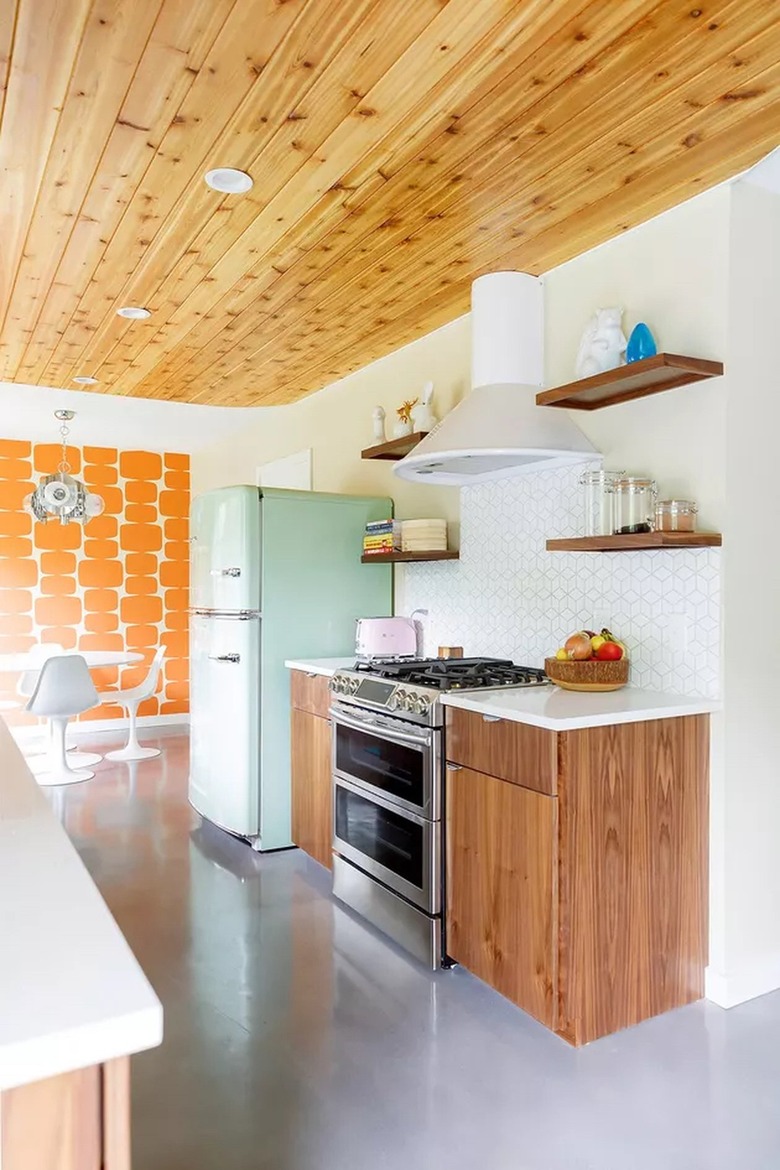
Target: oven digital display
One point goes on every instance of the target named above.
(373, 691)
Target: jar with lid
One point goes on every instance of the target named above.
(599, 494)
(675, 516)
(635, 497)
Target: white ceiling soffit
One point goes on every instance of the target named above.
(108, 420)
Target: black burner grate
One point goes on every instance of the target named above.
(447, 674)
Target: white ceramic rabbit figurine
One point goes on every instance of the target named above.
(378, 420)
(423, 418)
(603, 344)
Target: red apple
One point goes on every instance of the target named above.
(609, 652)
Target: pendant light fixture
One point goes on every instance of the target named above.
(61, 496)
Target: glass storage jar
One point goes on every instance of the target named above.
(635, 497)
(599, 496)
(675, 516)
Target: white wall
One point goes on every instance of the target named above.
(672, 273)
(110, 420)
(746, 834)
(336, 424)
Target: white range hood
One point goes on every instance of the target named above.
(498, 431)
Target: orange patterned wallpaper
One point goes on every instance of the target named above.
(120, 582)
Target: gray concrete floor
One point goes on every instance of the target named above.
(296, 1038)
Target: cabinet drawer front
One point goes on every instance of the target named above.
(512, 751)
(310, 692)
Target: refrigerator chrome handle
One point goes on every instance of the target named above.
(224, 657)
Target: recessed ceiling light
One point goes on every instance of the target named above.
(133, 313)
(228, 180)
(84, 380)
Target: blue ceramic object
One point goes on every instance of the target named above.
(641, 344)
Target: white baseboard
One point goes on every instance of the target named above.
(91, 725)
(759, 978)
(76, 730)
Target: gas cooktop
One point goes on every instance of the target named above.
(408, 688)
(449, 674)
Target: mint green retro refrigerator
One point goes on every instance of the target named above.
(274, 575)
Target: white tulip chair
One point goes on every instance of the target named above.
(64, 688)
(37, 655)
(131, 699)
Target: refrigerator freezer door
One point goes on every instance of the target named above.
(225, 544)
(225, 721)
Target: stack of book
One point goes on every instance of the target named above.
(382, 537)
(424, 536)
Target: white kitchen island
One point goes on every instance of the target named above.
(74, 1003)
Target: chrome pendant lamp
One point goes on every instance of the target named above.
(61, 496)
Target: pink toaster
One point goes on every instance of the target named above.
(389, 637)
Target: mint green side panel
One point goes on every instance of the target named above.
(313, 588)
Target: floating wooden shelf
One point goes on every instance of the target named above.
(663, 371)
(395, 448)
(636, 540)
(450, 554)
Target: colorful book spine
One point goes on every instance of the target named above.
(382, 536)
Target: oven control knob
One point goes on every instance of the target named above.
(400, 700)
(353, 685)
(421, 704)
(392, 702)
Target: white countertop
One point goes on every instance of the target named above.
(327, 666)
(71, 991)
(559, 710)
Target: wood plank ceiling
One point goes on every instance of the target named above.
(399, 148)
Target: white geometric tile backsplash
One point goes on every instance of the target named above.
(508, 597)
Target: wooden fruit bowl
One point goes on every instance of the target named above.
(590, 675)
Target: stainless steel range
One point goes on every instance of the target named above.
(388, 770)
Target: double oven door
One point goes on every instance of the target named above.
(387, 792)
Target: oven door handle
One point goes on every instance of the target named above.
(419, 741)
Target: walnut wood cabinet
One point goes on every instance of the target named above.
(500, 843)
(310, 692)
(77, 1121)
(312, 800)
(585, 905)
